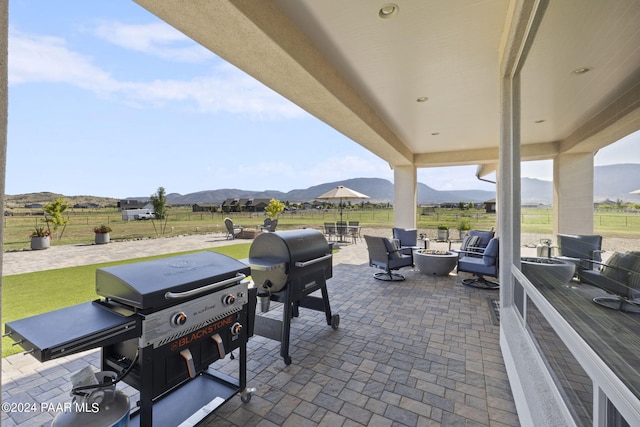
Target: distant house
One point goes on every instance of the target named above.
(490, 206)
(204, 207)
(449, 205)
(606, 202)
(257, 205)
(131, 204)
(86, 206)
(34, 206)
(245, 205)
(231, 205)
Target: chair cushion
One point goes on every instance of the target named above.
(491, 253)
(476, 266)
(617, 267)
(581, 246)
(392, 248)
(406, 236)
(469, 241)
(484, 237)
(634, 277)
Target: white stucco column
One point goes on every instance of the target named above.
(573, 194)
(405, 195)
(508, 187)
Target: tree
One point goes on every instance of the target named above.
(274, 208)
(159, 202)
(54, 210)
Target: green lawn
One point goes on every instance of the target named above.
(28, 294)
(182, 221)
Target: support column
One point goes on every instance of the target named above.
(405, 194)
(573, 194)
(4, 108)
(508, 187)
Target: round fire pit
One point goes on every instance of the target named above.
(435, 263)
(547, 271)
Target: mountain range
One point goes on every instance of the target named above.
(610, 182)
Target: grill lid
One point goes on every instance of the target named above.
(277, 257)
(144, 284)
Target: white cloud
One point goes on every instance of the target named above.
(45, 59)
(38, 58)
(157, 39)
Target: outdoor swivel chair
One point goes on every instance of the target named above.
(384, 254)
(582, 250)
(481, 266)
(407, 239)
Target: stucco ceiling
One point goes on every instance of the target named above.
(363, 74)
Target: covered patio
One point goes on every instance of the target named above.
(420, 352)
(430, 84)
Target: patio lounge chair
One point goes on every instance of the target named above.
(384, 254)
(619, 276)
(330, 230)
(481, 266)
(407, 239)
(232, 230)
(475, 242)
(582, 250)
(266, 224)
(354, 231)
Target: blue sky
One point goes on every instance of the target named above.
(107, 100)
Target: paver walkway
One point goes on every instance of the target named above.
(415, 353)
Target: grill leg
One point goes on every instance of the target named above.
(146, 387)
(327, 306)
(287, 311)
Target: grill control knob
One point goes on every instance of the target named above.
(236, 328)
(228, 299)
(179, 319)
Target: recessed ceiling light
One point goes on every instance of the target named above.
(388, 10)
(581, 70)
(422, 99)
(539, 121)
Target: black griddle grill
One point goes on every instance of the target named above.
(288, 266)
(169, 319)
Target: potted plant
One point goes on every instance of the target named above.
(102, 234)
(443, 233)
(463, 227)
(272, 211)
(40, 238)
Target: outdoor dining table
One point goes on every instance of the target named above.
(343, 231)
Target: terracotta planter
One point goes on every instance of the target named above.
(102, 238)
(38, 243)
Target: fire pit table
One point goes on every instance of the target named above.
(547, 271)
(435, 263)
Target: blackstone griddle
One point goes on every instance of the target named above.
(163, 323)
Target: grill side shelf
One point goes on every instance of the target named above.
(71, 330)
